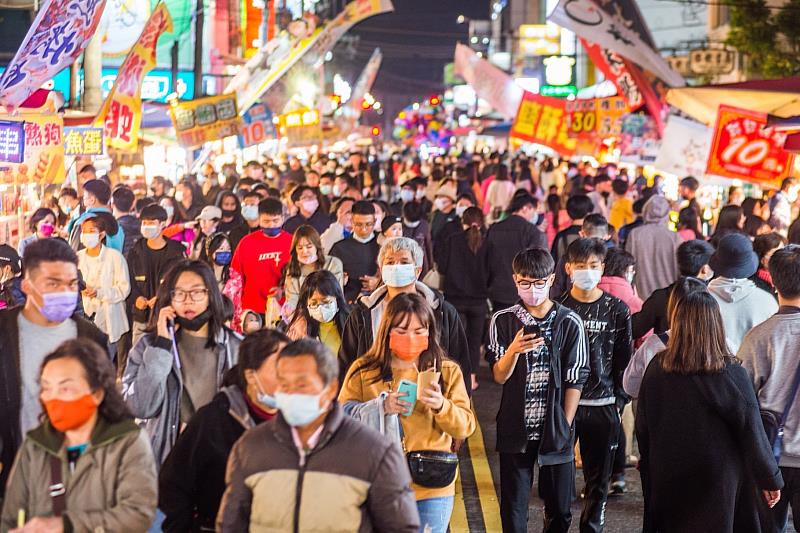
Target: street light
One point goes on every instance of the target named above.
(461, 19)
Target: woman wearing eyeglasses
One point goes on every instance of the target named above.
(177, 367)
(321, 312)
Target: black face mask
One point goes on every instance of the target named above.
(194, 324)
(229, 212)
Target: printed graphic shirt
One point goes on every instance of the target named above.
(260, 261)
(608, 325)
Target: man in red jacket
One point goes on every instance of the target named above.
(261, 255)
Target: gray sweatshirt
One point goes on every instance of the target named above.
(742, 305)
(770, 353)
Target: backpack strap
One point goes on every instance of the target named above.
(663, 337)
(58, 492)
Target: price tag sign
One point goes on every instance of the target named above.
(12, 142)
(744, 148)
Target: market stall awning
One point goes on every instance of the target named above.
(776, 97)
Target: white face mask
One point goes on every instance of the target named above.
(307, 260)
(179, 196)
(364, 240)
(324, 313)
(150, 232)
(586, 279)
(90, 240)
(398, 275)
(420, 194)
(250, 212)
(406, 195)
(309, 206)
(440, 204)
(460, 210)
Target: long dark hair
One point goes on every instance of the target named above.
(688, 218)
(99, 374)
(727, 222)
(327, 284)
(216, 323)
(398, 312)
(293, 267)
(473, 217)
(697, 342)
(177, 211)
(554, 206)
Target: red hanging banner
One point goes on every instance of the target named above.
(744, 148)
(543, 120)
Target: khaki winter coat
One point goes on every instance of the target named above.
(113, 488)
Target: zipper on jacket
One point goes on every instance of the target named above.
(298, 493)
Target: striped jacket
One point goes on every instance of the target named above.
(569, 369)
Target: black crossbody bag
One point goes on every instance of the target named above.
(432, 469)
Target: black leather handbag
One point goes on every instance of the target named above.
(431, 469)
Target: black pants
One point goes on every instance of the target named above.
(556, 488)
(597, 429)
(621, 456)
(473, 318)
(774, 520)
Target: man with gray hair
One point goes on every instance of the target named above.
(357, 480)
(400, 265)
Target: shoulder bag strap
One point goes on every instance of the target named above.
(57, 489)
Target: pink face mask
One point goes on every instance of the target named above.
(534, 297)
(47, 229)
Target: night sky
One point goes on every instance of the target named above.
(417, 41)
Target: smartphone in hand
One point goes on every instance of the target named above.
(407, 391)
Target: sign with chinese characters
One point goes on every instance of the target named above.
(618, 26)
(543, 120)
(56, 38)
(539, 40)
(12, 142)
(595, 117)
(83, 141)
(257, 126)
(43, 157)
(121, 114)
(205, 119)
(744, 148)
(613, 67)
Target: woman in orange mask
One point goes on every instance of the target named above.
(408, 376)
(87, 467)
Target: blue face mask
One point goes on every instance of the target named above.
(398, 275)
(250, 212)
(271, 232)
(223, 258)
(267, 400)
(299, 410)
(346, 234)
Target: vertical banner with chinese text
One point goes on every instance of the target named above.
(543, 120)
(744, 148)
(121, 114)
(56, 38)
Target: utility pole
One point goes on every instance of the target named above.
(198, 49)
(174, 66)
(92, 71)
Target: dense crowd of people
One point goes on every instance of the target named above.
(296, 347)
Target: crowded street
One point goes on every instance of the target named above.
(399, 266)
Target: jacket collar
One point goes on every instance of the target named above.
(104, 433)
(379, 294)
(238, 407)
(283, 432)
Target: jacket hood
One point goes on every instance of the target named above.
(104, 433)
(656, 210)
(732, 290)
(238, 407)
(379, 294)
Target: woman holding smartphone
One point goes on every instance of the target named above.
(407, 371)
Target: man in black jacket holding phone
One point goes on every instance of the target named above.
(535, 420)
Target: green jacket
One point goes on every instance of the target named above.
(113, 487)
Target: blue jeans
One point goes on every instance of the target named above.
(435, 513)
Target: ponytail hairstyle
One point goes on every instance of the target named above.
(473, 219)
